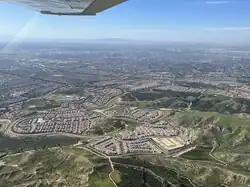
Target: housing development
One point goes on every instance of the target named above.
(107, 114)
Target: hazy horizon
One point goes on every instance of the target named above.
(170, 21)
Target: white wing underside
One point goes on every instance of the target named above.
(68, 7)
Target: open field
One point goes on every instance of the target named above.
(70, 91)
(116, 176)
(61, 98)
(168, 143)
(41, 104)
(100, 176)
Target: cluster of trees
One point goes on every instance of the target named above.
(166, 173)
(14, 145)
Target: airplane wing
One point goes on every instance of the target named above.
(68, 7)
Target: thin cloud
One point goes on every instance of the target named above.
(216, 2)
(229, 29)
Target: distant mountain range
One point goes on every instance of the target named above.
(108, 40)
(113, 40)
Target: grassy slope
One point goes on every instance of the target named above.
(229, 163)
(55, 167)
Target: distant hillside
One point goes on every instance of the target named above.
(178, 100)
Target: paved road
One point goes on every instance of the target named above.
(112, 167)
(210, 154)
(103, 156)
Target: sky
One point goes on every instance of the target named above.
(226, 21)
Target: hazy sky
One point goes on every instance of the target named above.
(160, 20)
